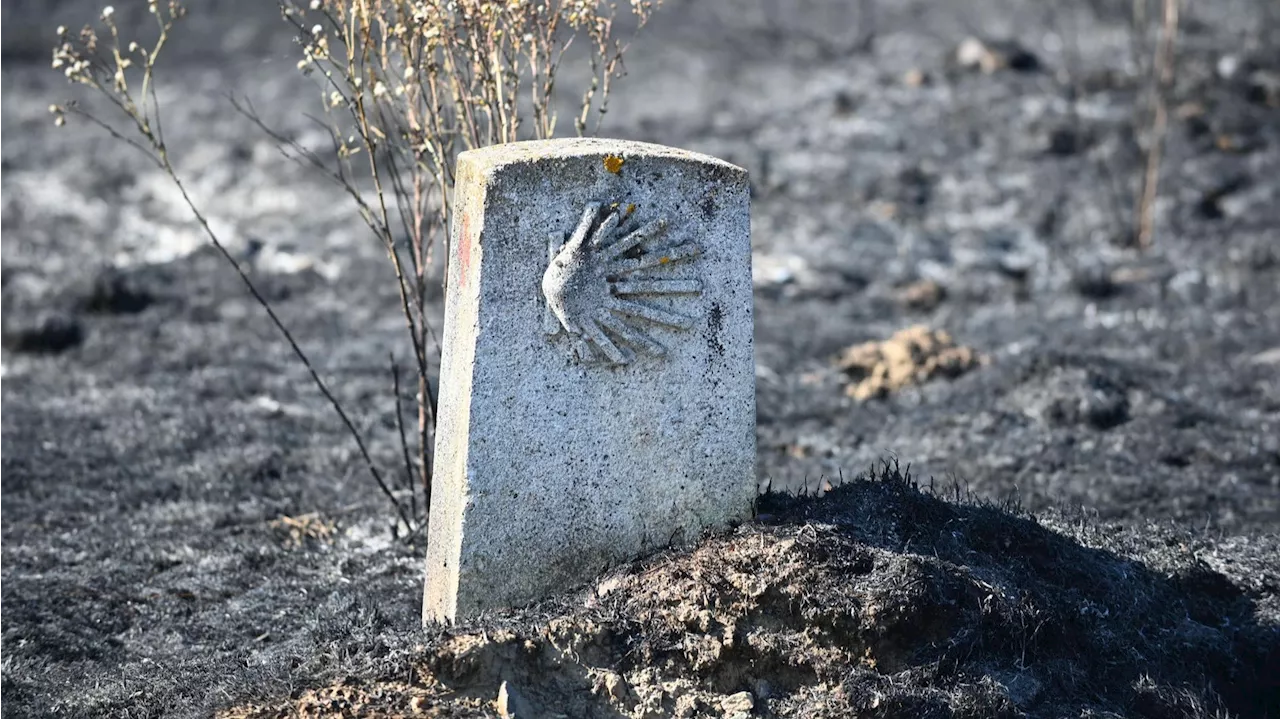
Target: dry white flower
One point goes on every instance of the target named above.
(107, 12)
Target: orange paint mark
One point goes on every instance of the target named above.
(613, 163)
(464, 249)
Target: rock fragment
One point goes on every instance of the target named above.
(739, 704)
(511, 705)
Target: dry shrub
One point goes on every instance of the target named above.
(407, 85)
(911, 356)
(411, 83)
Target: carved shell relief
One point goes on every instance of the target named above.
(596, 280)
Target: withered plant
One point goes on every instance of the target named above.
(1159, 82)
(406, 85)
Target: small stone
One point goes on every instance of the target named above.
(615, 686)
(1268, 357)
(971, 53)
(267, 405)
(608, 586)
(993, 55)
(686, 706)
(1264, 87)
(511, 705)
(915, 77)
(1228, 66)
(735, 704)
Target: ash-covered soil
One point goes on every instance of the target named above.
(881, 600)
(187, 529)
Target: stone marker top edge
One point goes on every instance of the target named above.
(493, 157)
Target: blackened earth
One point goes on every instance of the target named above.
(1100, 531)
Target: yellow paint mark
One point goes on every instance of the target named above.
(631, 208)
(663, 260)
(613, 163)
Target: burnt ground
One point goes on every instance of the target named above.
(186, 527)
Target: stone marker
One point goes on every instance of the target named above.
(597, 388)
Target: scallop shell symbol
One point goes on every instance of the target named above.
(594, 281)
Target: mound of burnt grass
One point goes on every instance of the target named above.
(882, 598)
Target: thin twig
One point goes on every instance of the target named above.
(411, 474)
(293, 344)
(1161, 79)
(84, 65)
(1144, 233)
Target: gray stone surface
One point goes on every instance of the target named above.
(597, 393)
